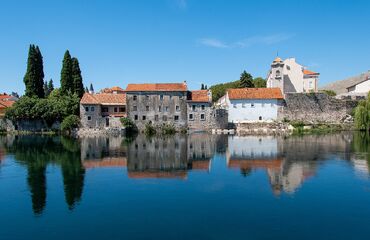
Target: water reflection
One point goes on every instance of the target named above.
(287, 162)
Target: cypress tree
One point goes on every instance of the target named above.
(50, 85)
(77, 78)
(91, 88)
(86, 89)
(46, 89)
(34, 77)
(66, 80)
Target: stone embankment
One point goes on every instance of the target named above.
(259, 128)
(112, 131)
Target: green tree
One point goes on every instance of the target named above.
(46, 89)
(34, 77)
(77, 78)
(91, 88)
(50, 85)
(66, 80)
(246, 80)
(202, 87)
(259, 82)
(362, 114)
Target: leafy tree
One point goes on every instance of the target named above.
(362, 114)
(219, 90)
(77, 78)
(66, 80)
(34, 77)
(246, 80)
(70, 122)
(259, 82)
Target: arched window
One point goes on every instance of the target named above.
(278, 74)
(260, 118)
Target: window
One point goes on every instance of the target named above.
(134, 108)
(263, 105)
(147, 108)
(243, 105)
(252, 105)
(89, 118)
(115, 109)
(166, 109)
(160, 97)
(136, 117)
(134, 98)
(144, 117)
(122, 109)
(92, 109)
(278, 75)
(193, 107)
(156, 118)
(191, 117)
(104, 109)
(159, 109)
(147, 97)
(203, 107)
(234, 105)
(86, 109)
(260, 118)
(177, 108)
(176, 118)
(202, 117)
(164, 118)
(288, 67)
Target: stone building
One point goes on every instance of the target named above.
(200, 111)
(102, 110)
(291, 77)
(6, 101)
(158, 104)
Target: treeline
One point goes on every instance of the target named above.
(41, 101)
(246, 81)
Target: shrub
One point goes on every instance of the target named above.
(297, 124)
(149, 129)
(129, 125)
(330, 93)
(69, 123)
(168, 129)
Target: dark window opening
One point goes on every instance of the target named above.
(136, 117)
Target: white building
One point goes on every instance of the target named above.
(290, 77)
(252, 104)
(360, 87)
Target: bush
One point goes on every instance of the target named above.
(129, 125)
(168, 129)
(69, 123)
(330, 93)
(297, 124)
(54, 108)
(149, 129)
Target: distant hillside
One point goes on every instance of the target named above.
(341, 86)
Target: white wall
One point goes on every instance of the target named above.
(253, 147)
(295, 73)
(242, 110)
(363, 87)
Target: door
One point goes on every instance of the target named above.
(107, 122)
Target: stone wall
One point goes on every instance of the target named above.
(315, 108)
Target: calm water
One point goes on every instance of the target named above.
(185, 187)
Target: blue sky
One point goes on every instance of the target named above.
(200, 41)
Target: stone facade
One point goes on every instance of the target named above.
(157, 108)
(315, 108)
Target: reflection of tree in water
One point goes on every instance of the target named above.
(36, 153)
(361, 145)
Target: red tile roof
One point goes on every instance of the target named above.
(255, 93)
(6, 103)
(113, 89)
(200, 96)
(104, 99)
(105, 162)
(255, 163)
(4, 96)
(308, 72)
(154, 87)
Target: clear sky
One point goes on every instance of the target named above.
(200, 41)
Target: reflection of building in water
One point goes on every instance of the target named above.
(170, 157)
(249, 153)
(157, 157)
(103, 152)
